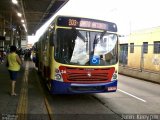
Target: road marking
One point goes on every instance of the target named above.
(46, 102)
(23, 100)
(131, 95)
(49, 110)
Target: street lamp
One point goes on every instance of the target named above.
(14, 1)
(19, 14)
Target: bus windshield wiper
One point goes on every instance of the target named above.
(102, 34)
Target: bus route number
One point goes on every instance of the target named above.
(72, 22)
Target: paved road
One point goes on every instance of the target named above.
(134, 96)
(134, 99)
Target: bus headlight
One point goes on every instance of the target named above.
(56, 70)
(57, 77)
(114, 77)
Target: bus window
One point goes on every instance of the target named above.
(78, 47)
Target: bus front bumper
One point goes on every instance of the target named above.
(58, 87)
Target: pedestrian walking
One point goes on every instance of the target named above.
(14, 63)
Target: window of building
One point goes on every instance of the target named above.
(131, 47)
(157, 47)
(145, 47)
(123, 56)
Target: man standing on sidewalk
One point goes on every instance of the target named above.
(14, 63)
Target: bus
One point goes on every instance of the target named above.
(79, 55)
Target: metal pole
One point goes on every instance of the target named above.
(11, 30)
(142, 59)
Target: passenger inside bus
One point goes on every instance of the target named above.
(102, 61)
(108, 57)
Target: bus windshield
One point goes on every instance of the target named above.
(86, 48)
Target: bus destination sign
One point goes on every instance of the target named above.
(86, 23)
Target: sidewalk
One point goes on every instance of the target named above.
(8, 103)
(30, 99)
(137, 73)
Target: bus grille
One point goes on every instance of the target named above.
(83, 75)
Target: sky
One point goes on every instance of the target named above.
(129, 15)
